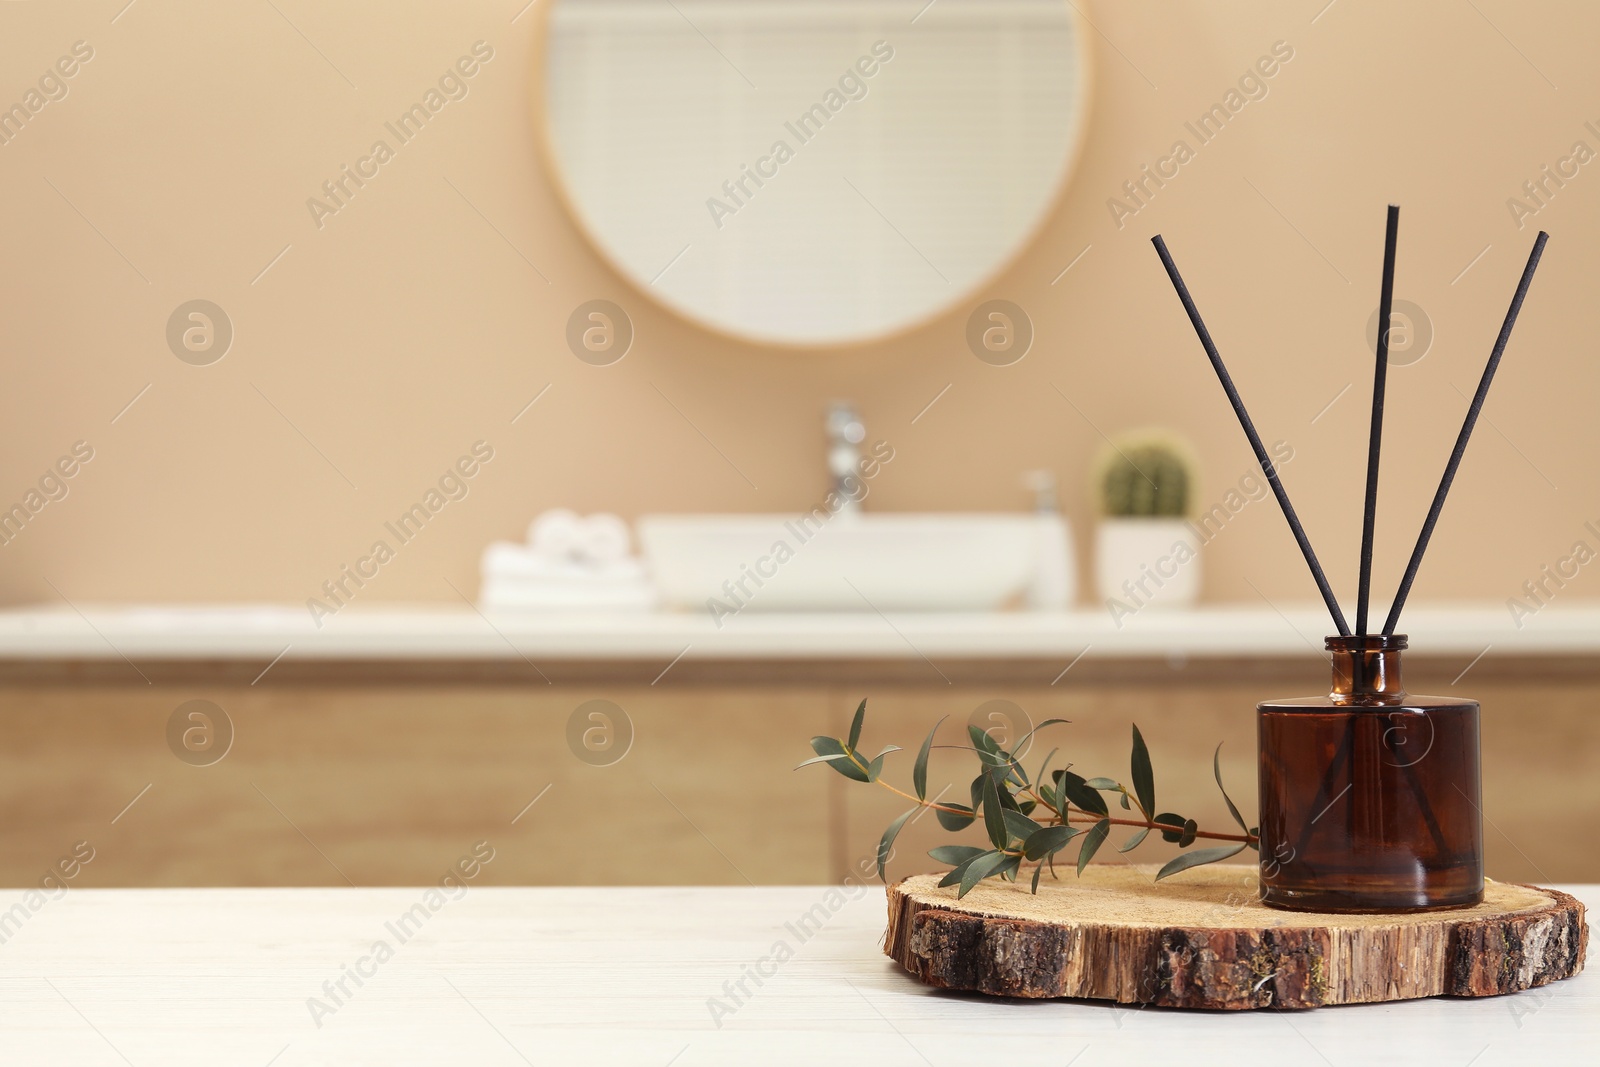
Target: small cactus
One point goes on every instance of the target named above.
(1145, 476)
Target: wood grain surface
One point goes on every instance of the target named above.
(1202, 940)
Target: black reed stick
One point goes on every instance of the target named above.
(1250, 432)
(1375, 441)
(1466, 432)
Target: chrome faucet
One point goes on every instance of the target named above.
(845, 433)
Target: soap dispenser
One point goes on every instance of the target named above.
(1055, 576)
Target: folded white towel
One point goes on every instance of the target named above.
(504, 561)
(570, 563)
(561, 534)
(557, 534)
(544, 596)
(604, 538)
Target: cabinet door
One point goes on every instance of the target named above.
(389, 786)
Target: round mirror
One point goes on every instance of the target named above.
(812, 172)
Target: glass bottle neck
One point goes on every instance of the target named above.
(1366, 670)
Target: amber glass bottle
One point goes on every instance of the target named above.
(1369, 796)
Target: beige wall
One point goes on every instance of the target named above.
(412, 323)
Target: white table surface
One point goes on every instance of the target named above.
(624, 976)
(87, 631)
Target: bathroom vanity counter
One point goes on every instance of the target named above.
(683, 976)
(239, 643)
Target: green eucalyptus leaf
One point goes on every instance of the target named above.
(982, 741)
(1043, 778)
(822, 759)
(1189, 829)
(1144, 779)
(997, 777)
(1016, 773)
(1019, 825)
(1047, 840)
(1102, 783)
(1022, 746)
(1026, 806)
(855, 727)
(960, 869)
(833, 748)
(828, 746)
(1255, 832)
(1198, 857)
(979, 868)
(1216, 769)
(994, 816)
(1049, 796)
(955, 855)
(875, 768)
(952, 821)
(1076, 790)
(1037, 871)
(1092, 841)
(919, 771)
(1001, 767)
(886, 843)
(1135, 841)
(994, 759)
(1174, 820)
(1008, 868)
(1125, 802)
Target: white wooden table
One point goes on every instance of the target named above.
(628, 976)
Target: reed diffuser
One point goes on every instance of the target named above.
(1370, 798)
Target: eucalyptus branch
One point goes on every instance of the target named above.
(919, 801)
(1031, 820)
(1247, 838)
(1082, 816)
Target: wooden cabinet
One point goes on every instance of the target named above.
(357, 776)
(390, 786)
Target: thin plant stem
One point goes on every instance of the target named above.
(1084, 816)
(1089, 816)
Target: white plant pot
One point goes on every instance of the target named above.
(1146, 563)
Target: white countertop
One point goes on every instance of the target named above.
(628, 976)
(255, 632)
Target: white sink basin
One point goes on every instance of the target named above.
(848, 562)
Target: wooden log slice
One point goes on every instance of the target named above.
(1201, 939)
